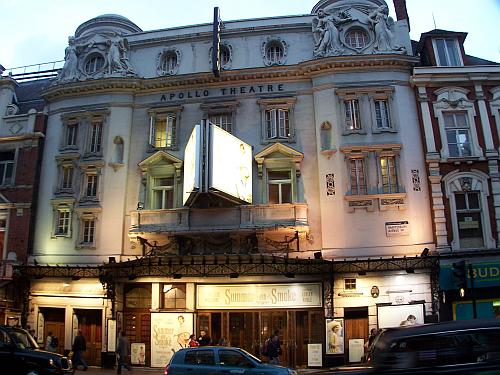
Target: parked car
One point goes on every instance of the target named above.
(456, 347)
(216, 360)
(20, 355)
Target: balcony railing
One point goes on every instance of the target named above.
(241, 218)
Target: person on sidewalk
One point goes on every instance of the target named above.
(79, 347)
(123, 350)
(274, 349)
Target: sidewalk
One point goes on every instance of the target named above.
(159, 371)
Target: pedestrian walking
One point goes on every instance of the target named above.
(79, 347)
(122, 350)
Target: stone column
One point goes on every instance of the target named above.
(439, 216)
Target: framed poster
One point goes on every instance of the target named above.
(138, 353)
(314, 355)
(335, 336)
(400, 315)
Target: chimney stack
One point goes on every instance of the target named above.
(401, 11)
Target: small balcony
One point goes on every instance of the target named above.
(209, 220)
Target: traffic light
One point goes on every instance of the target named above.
(460, 274)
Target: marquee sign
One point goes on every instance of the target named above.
(259, 296)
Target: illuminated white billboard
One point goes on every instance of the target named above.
(229, 165)
(192, 166)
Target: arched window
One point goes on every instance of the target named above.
(468, 197)
(94, 63)
(357, 38)
(274, 51)
(169, 61)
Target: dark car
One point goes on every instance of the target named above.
(216, 360)
(457, 347)
(20, 355)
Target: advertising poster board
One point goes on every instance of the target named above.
(314, 355)
(335, 336)
(397, 315)
(138, 353)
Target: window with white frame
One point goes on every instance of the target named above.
(382, 114)
(95, 134)
(67, 172)
(63, 221)
(163, 129)
(457, 133)
(279, 186)
(163, 193)
(7, 167)
(352, 115)
(91, 184)
(222, 120)
(357, 176)
(357, 38)
(388, 174)
(94, 63)
(88, 231)
(447, 52)
(71, 131)
(349, 284)
(277, 120)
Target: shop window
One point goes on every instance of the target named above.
(174, 296)
(7, 167)
(277, 120)
(447, 52)
(138, 298)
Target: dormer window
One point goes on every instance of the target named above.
(447, 52)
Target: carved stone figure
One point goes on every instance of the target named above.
(382, 25)
(70, 69)
(326, 33)
(117, 58)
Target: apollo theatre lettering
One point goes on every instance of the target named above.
(226, 91)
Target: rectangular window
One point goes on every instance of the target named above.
(447, 52)
(468, 211)
(174, 296)
(6, 167)
(457, 134)
(222, 120)
(279, 187)
(350, 284)
(92, 181)
(277, 123)
(67, 177)
(95, 136)
(388, 173)
(163, 130)
(358, 181)
(352, 115)
(382, 114)
(63, 221)
(163, 193)
(88, 232)
(71, 133)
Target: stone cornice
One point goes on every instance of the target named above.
(290, 73)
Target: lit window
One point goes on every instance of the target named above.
(95, 137)
(356, 38)
(163, 193)
(277, 123)
(279, 187)
(174, 296)
(357, 173)
(94, 63)
(468, 214)
(6, 167)
(163, 130)
(388, 173)
(222, 120)
(382, 114)
(350, 284)
(352, 115)
(457, 133)
(63, 222)
(447, 52)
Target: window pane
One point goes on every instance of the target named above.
(440, 45)
(160, 132)
(473, 199)
(279, 175)
(286, 193)
(451, 48)
(274, 194)
(470, 229)
(460, 201)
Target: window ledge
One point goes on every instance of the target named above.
(86, 246)
(459, 159)
(329, 153)
(394, 201)
(116, 166)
